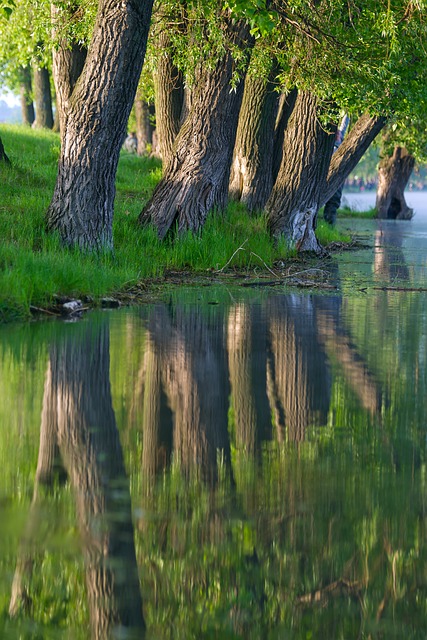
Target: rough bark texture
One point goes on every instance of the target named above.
(67, 64)
(169, 97)
(285, 107)
(348, 154)
(393, 174)
(144, 128)
(197, 176)
(26, 95)
(42, 99)
(307, 150)
(98, 110)
(251, 179)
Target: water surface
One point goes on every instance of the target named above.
(224, 464)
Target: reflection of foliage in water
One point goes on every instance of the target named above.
(324, 537)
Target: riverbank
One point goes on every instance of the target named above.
(38, 275)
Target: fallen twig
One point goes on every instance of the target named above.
(237, 250)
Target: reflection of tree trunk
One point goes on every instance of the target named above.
(195, 382)
(240, 367)
(298, 379)
(355, 369)
(48, 464)
(78, 421)
(91, 450)
(389, 259)
(155, 451)
(247, 366)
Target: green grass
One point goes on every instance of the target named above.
(34, 267)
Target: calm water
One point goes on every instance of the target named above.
(365, 200)
(225, 464)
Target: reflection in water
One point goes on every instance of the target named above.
(276, 493)
(78, 430)
(389, 261)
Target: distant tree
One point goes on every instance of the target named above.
(42, 98)
(26, 93)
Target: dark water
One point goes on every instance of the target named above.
(224, 464)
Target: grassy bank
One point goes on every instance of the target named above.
(34, 268)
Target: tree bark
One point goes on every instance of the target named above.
(251, 179)
(307, 150)
(26, 94)
(67, 64)
(393, 174)
(169, 97)
(285, 107)
(98, 111)
(196, 178)
(42, 99)
(348, 154)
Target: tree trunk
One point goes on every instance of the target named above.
(67, 64)
(348, 154)
(3, 157)
(169, 96)
(285, 107)
(393, 174)
(26, 93)
(196, 178)
(307, 150)
(144, 128)
(82, 205)
(251, 179)
(42, 99)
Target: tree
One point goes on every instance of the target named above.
(26, 93)
(307, 150)
(196, 178)
(68, 58)
(393, 175)
(251, 179)
(42, 98)
(81, 210)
